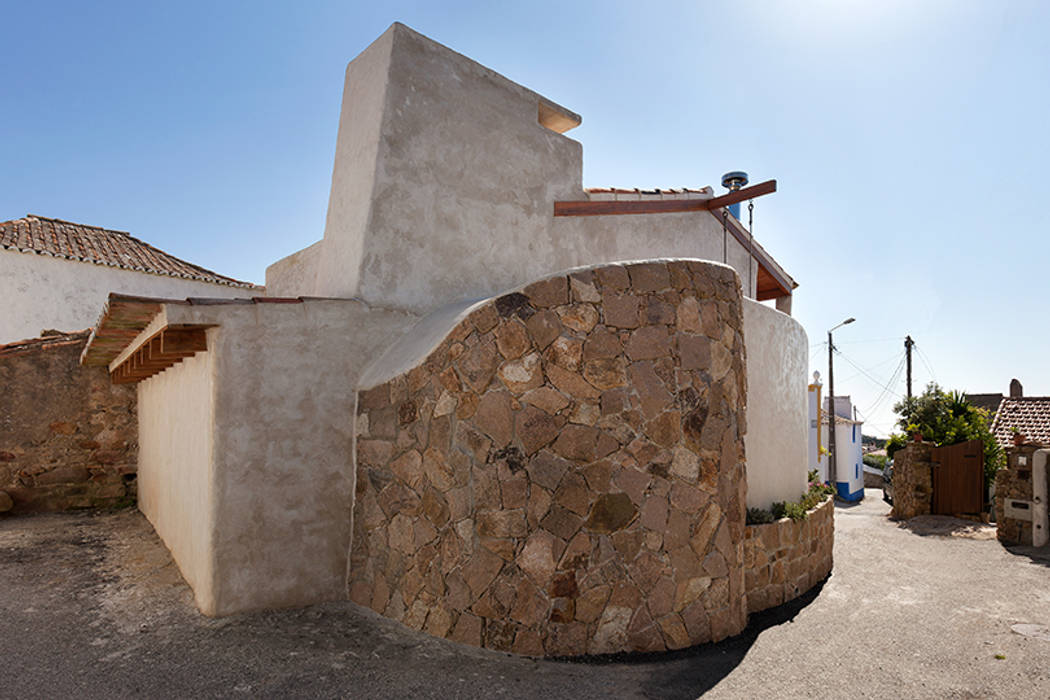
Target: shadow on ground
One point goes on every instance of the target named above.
(1037, 555)
(948, 526)
(691, 672)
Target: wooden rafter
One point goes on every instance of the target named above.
(160, 351)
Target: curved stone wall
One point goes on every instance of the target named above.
(563, 474)
(786, 558)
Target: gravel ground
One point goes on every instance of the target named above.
(92, 606)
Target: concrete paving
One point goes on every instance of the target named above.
(91, 605)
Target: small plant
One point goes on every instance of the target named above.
(759, 516)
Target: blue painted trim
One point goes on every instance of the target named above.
(843, 492)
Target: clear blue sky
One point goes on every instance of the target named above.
(908, 140)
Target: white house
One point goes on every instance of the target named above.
(57, 275)
(473, 313)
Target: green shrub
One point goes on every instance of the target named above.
(876, 461)
(759, 516)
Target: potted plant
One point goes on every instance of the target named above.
(1018, 437)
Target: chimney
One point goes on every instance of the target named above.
(733, 181)
(1016, 392)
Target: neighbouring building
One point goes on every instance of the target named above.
(56, 275)
(489, 403)
(69, 437)
(849, 459)
(1028, 416)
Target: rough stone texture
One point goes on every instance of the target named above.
(1013, 482)
(912, 481)
(784, 559)
(594, 501)
(68, 437)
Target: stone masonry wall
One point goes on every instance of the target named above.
(564, 474)
(68, 437)
(912, 481)
(1014, 482)
(786, 558)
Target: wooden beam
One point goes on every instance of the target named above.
(661, 206)
(160, 351)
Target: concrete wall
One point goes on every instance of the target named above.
(295, 275)
(68, 437)
(259, 432)
(177, 467)
(777, 406)
(444, 187)
(43, 292)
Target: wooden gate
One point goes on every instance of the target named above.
(958, 478)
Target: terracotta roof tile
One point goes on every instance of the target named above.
(1029, 414)
(92, 244)
(45, 342)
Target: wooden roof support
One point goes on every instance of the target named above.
(163, 349)
(661, 206)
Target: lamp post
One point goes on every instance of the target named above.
(831, 403)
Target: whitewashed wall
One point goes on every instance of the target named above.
(175, 473)
(44, 292)
(777, 440)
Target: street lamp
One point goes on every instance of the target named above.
(831, 403)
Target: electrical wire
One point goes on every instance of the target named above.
(922, 356)
(893, 380)
(865, 373)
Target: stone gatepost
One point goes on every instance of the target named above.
(912, 481)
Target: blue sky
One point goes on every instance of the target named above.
(907, 138)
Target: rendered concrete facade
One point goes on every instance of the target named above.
(244, 461)
(444, 187)
(777, 410)
(44, 292)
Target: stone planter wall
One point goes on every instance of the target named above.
(68, 437)
(912, 481)
(564, 473)
(784, 559)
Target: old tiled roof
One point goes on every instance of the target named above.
(45, 342)
(1030, 415)
(92, 244)
(658, 193)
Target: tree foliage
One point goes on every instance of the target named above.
(946, 418)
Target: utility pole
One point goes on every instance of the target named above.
(908, 343)
(831, 412)
(831, 402)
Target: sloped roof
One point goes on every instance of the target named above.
(100, 246)
(1030, 415)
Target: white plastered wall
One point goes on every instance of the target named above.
(776, 443)
(176, 462)
(44, 292)
(277, 474)
(444, 185)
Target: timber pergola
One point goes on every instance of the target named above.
(771, 282)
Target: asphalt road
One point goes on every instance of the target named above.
(92, 606)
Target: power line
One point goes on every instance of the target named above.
(866, 374)
(922, 356)
(893, 380)
(872, 368)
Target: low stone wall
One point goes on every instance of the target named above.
(784, 559)
(68, 437)
(912, 481)
(564, 473)
(1014, 482)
